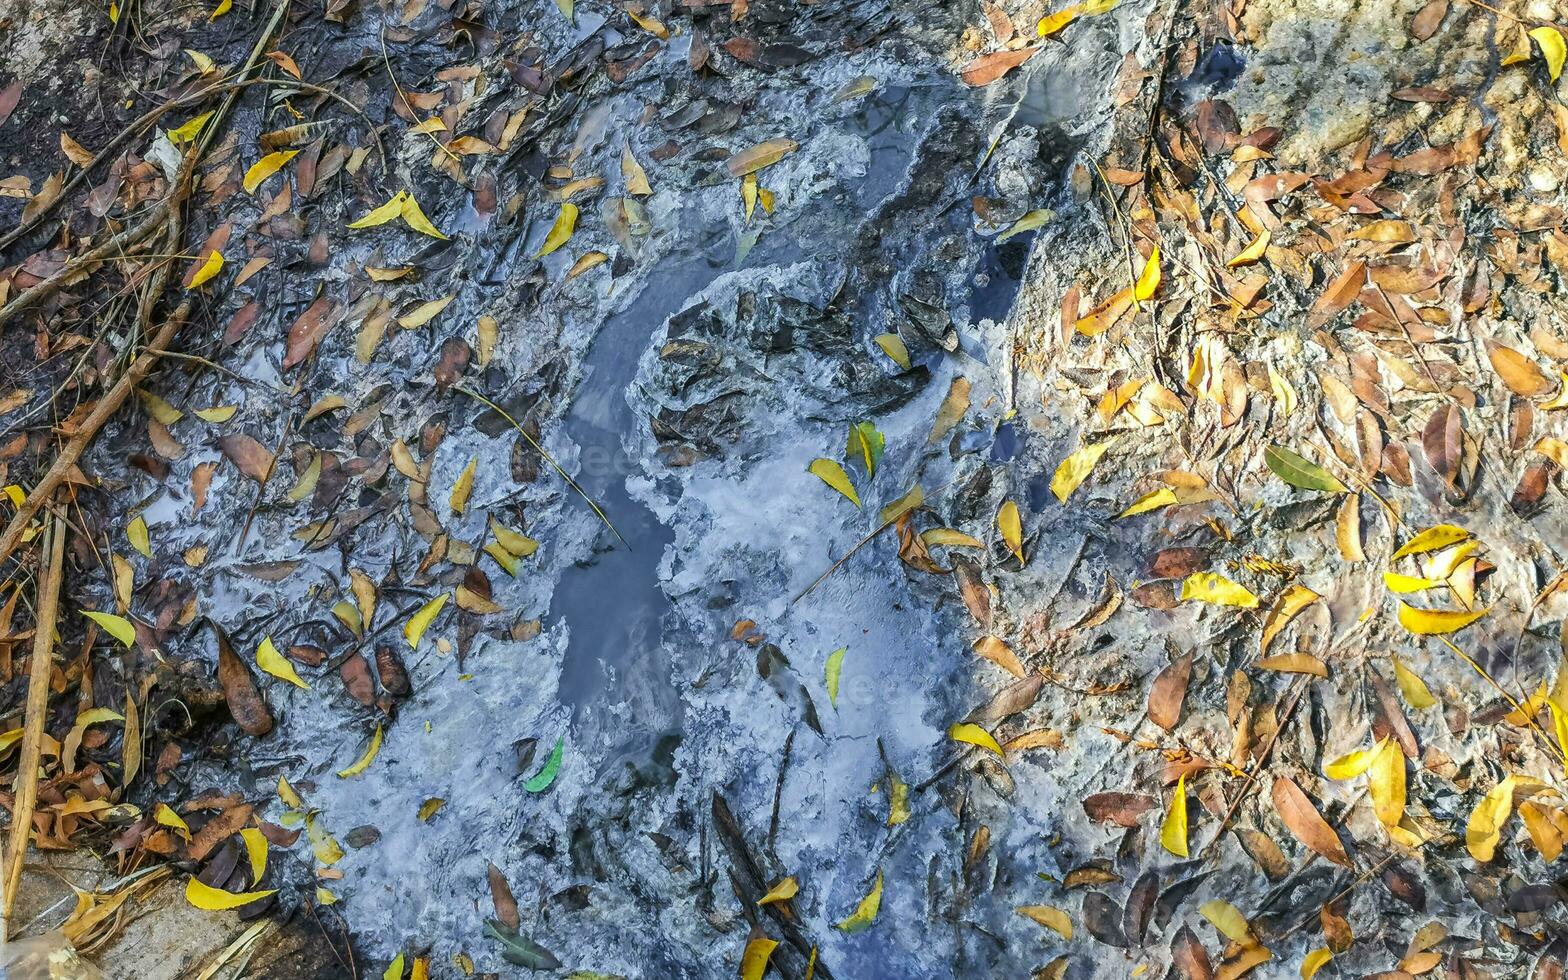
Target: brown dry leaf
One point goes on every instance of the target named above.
(973, 590)
(989, 67)
(253, 459)
(1302, 818)
(1122, 809)
(999, 653)
(308, 330)
(1169, 691)
(952, 411)
(1443, 442)
(239, 690)
(1519, 373)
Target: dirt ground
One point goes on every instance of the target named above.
(534, 579)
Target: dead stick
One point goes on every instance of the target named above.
(37, 708)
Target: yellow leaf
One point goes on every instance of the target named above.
(1294, 663)
(898, 508)
(866, 912)
(754, 962)
(1149, 279)
(1173, 832)
(414, 216)
(1053, 23)
(428, 808)
(1552, 49)
(1353, 764)
(266, 167)
(748, 194)
(1405, 584)
(1386, 783)
(973, 734)
(289, 797)
(565, 224)
(1284, 395)
(116, 626)
(1050, 917)
(834, 476)
(216, 414)
(380, 216)
(588, 260)
(1433, 622)
(1412, 686)
(893, 346)
(1228, 919)
(1153, 500)
(781, 892)
(192, 128)
(1011, 526)
(167, 817)
(516, 544)
(1485, 827)
(424, 312)
(394, 970)
(1553, 449)
(1217, 590)
(946, 537)
(270, 660)
(1559, 400)
(159, 409)
(421, 620)
(1433, 539)
(326, 847)
(209, 268)
(365, 760)
(224, 6)
(216, 899)
(307, 481)
(114, 12)
(1073, 470)
(256, 851)
(1290, 603)
(1315, 961)
(464, 486)
(1545, 833)
(1251, 253)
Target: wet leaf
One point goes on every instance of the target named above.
(515, 948)
(190, 129)
(1173, 831)
(1073, 470)
(216, 415)
(363, 762)
(1053, 23)
(1303, 820)
(1294, 663)
(1217, 590)
(866, 912)
(116, 626)
(253, 459)
(973, 734)
(1299, 471)
(266, 167)
(255, 852)
(781, 892)
(754, 962)
(394, 970)
(1442, 439)
(1434, 622)
(832, 671)
(833, 475)
(1049, 916)
(764, 154)
(1031, 221)
(631, 171)
(213, 899)
(541, 780)
(424, 312)
(1484, 828)
(421, 620)
(1011, 526)
(1153, 500)
(1386, 783)
(270, 660)
(1251, 254)
(560, 231)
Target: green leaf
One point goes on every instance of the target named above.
(116, 626)
(517, 950)
(835, 667)
(866, 445)
(834, 476)
(1298, 471)
(542, 779)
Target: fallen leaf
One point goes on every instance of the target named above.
(754, 961)
(270, 660)
(1216, 589)
(1295, 598)
(209, 269)
(1173, 831)
(999, 653)
(560, 231)
(364, 761)
(1413, 688)
(1011, 526)
(834, 476)
(1300, 472)
(464, 487)
(116, 626)
(213, 899)
(1149, 279)
(1303, 820)
(1050, 917)
(764, 154)
(421, 620)
(541, 780)
(952, 411)
(832, 671)
(893, 346)
(1553, 50)
(1433, 539)
(1073, 470)
(866, 912)
(266, 167)
(1169, 692)
(1434, 622)
(973, 734)
(989, 67)
(781, 892)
